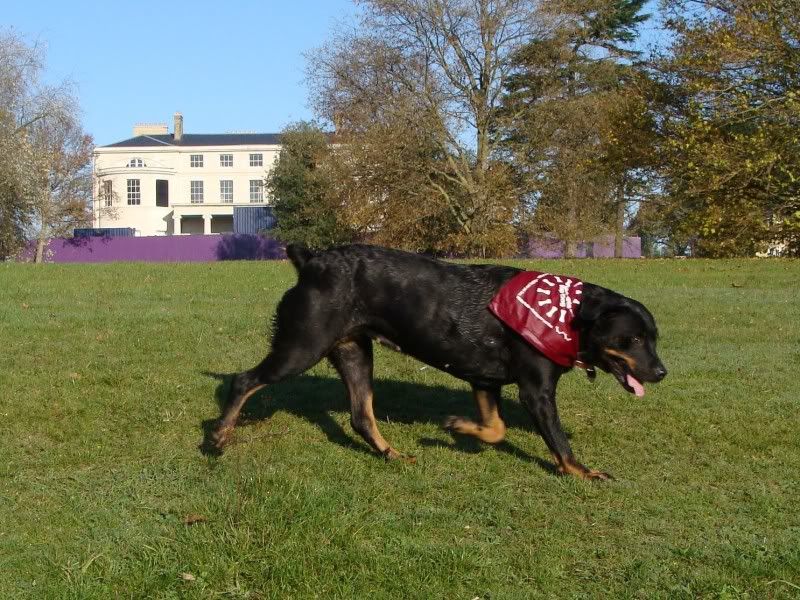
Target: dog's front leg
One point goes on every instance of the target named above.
(538, 393)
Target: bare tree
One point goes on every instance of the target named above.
(436, 68)
(19, 68)
(62, 179)
(44, 156)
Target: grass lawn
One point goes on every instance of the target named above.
(106, 378)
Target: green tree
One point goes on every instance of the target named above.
(300, 188)
(629, 151)
(733, 153)
(569, 113)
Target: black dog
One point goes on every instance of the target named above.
(437, 312)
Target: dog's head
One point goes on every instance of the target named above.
(619, 336)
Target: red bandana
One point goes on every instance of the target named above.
(540, 307)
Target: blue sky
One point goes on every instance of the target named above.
(234, 65)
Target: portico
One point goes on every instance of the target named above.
(204, 218)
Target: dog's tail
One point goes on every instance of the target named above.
(299, 255)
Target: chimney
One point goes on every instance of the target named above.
(178, 127)
(149, 129)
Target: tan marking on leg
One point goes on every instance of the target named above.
(568, 466)
(361, 409)
(629, 360)
(221, 434)
(376, 439)
(494, 430)
(491, 429)
(358, 381)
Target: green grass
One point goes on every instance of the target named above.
(104, 391)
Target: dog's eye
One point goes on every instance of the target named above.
(636, 341)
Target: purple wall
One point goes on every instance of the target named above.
(205, 248)
(183, 248)
(602, 247)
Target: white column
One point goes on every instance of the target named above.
(206, 224)
(176, 224)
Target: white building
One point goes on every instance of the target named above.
(170, 184)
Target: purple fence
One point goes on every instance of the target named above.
(207, 248)
(183, 248)
(600, 248)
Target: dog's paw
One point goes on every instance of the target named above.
(453, 423)
(594, 475)
(589, 474)
(494, 434)
(220, 436)
(392, 454)
(571, 467)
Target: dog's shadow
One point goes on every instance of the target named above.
(314, 398)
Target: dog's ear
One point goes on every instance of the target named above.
(596, 302)
(593, 305)
(299, 255)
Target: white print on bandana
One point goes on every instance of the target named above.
(554, 301)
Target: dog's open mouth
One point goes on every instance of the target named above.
(626, 379)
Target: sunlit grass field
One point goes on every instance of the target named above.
(106, 380)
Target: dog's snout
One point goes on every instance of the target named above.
(660, 372)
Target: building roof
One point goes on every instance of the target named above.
(200, 139)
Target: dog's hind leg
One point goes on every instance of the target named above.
(352, 358)
(305, 330)
(273, 368)
(294, 350)
(491, 428)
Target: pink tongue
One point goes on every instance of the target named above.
(638, 388)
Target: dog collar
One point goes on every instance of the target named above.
(541, 308)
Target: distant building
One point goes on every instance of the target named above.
(172, 184)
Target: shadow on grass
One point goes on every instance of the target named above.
(315, 398)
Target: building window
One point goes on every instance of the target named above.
(256, 190)
(196, 160)
(107, 195)
(226, 190)
(136, 162)
(134, 192)
(257, 160)
(196, 192)
(226, 160)
(162, 192)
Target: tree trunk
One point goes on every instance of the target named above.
(647, 245)
(619, 230)
(40, 243)
(570, 248)
(571, 244)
